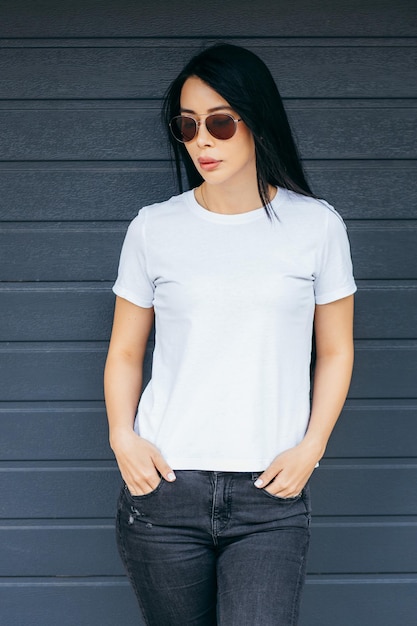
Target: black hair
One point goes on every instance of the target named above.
(246, 83)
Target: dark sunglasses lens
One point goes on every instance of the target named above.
(183, 128)
(221, 126)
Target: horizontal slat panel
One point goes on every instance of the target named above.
(367, 190)
(52, 372)
(90, 549)
(112, 130)
(354, 129)
(362, 548)
(98, 602)
(253, 42)
(81, 130)
(89, 490)
(57, 312)
(386, 310)
(90, 252)
(55, 371)
(61, 431)
(74, 371)
(384, 370)
(77, 430)
(326, 602)
(65, 432)
(115, 191)
(54, 550)
(375, 430)
(363, 602)
(354, 489)
(83, 312)
(60, 252)
(23, 18)
(88, 191)
(303, 72)
(384, 249)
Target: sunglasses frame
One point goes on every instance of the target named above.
(199, 122)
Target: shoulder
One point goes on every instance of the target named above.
(315, 213)
(165, 210)
(158, 216)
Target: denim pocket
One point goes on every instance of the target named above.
(144, 495)
(282, 500)
(255, 476)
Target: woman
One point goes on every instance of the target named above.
(213, 520)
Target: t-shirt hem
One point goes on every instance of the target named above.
(122, 292)
(332, 296)
(218, 465)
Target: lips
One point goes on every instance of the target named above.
(207, 163)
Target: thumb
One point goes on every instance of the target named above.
(163, 468)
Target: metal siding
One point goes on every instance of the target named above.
(74, 130)
(81, 153)
(339, 488)
(89, 251)
(83, 311)
(133, 71)
(300, 18)
(111, 190)
(362, 601)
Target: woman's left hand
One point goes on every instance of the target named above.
(289, 472)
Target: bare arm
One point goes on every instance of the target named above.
(289, 472)
(139, 461)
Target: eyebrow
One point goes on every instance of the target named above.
(212, 110)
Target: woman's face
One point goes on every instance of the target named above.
(220, 162)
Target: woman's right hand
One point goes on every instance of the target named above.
(140, 463)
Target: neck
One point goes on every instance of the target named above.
(218, 199)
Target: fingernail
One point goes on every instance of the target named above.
(258, 483)
(171, 476)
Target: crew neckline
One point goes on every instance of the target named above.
(227, 218)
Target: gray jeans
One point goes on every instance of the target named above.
(211, 549)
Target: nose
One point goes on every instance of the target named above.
(203, 136)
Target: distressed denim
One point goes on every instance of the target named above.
(210, 549)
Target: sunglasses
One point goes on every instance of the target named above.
(220, 125)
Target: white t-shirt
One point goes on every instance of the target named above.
(234, 299)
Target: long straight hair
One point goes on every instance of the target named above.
(246, 83)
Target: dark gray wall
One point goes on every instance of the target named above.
(81, 151)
